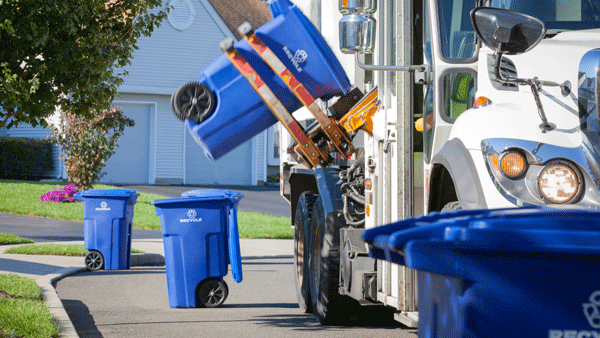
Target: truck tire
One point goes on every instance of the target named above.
(302, 222)
(328, 305)
(452, 206)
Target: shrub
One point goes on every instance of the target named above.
(63, 195)
(88, 142)
(25, 158)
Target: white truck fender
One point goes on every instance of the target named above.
(455, 157)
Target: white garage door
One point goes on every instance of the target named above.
(130, 162)
(235, 168)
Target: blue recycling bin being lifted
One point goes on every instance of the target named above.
(528, 272)
(108, 216)
(200, 238)
(240, 113)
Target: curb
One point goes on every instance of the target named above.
(54, 304)
(47, 284)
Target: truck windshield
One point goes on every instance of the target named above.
(558, 15)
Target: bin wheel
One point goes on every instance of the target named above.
(212, 293)
(94, 260)
(302, 221)
(193, 101)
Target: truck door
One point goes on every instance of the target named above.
(451, 52)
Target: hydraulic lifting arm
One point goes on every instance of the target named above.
(331, 135)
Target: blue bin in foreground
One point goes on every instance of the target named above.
(240, 112)
(200, 237)
(530, 272)
(108, 215)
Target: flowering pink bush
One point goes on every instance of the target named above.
(63, 195)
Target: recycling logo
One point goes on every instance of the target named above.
(591, 310)
(299, 57)
(103, 207)
(191, 214)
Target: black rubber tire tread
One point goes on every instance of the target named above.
(174, 106)
(302, 223)
(184, 107)
(212, 292)
(452, 206)
(94, 260)
(328, 305)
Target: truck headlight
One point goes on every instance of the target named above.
(560, 182)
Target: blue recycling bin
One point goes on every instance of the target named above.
(240, 112)
(108, 216)
(530, 272)
(200, 238)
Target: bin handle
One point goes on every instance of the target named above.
(235, 259)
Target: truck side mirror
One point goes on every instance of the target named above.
(507, 32)
(357, 26)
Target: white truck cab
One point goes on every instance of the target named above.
(508, 98)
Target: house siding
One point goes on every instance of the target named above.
(172, 57)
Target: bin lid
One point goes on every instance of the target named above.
(203, 195)
(106, 193)
(532, 229)
(212, 193)
(234, 196)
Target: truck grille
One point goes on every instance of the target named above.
(507, 69)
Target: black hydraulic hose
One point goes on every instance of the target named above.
(357, 198)
(349, 220)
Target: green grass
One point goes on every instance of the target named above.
(7, 239)
(22, 311)
(257, 225)
(23, 198)
(53, 249)
(49, 249)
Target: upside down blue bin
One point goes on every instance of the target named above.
(240, 112)
(108, 216)
(200, 238)
(531, 272)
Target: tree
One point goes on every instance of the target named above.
(87, 143)
(67, 53)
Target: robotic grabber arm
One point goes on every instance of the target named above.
(331, 133)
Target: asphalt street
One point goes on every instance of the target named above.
(42, 230)
(134, 303)
(263, 199)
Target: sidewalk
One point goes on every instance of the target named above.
(47, 270)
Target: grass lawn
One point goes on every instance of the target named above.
(7, 239)
(54, 249)
(22, 310)
(23, 198)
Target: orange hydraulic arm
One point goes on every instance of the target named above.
(336, 133)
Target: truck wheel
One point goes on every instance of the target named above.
(212, 292)
(94, 260)
(302, 222)
(452, 206)
(328, 305)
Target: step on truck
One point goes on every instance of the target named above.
(450, 105)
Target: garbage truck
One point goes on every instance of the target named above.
(450, 105)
